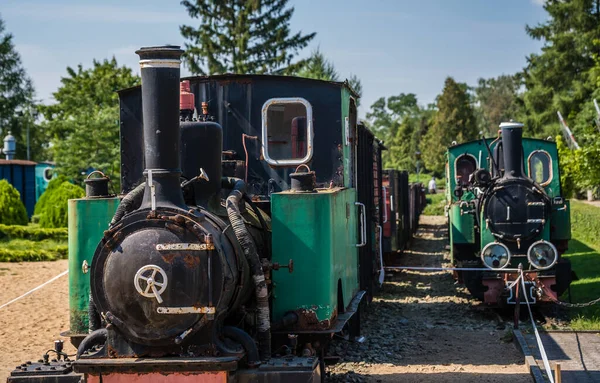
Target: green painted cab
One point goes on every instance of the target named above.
(318, 232)
(88, 219)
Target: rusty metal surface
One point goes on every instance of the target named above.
(157, 377)
(48, 372)
(578, 354)
(139, 365)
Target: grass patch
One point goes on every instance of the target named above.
(423, 178)
(435, 204)
(584, 254)
(20, 250)
(32, 243)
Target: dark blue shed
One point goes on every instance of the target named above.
(21, 174)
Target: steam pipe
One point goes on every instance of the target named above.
(512, 133)
(243, 338)
(160, 68)
(238, 187)
(94, 338)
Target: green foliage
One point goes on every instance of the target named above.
(242, 36)
(84, 121)
(12, 210)
(454, 121)
(584, 254)
(435, 204)
(400, 122)
(55, 213)
(17, 110)
(558, 78)
(318, 67)
(498, 102)
(31, 232)
(22, 250)
(42, 203)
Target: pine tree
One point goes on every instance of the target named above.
(454, 121)
(498, 101)
(242, 36)
(16, 95)
(557, 79)
(318, 67)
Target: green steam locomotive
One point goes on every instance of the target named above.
(506, 210)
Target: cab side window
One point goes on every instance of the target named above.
(464, 166)
(540, 167)
(287, 131)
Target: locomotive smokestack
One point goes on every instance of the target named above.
(160, 67)
(512, 133)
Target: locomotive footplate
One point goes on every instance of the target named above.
(290, 369)
(529, 290)
(48, 372)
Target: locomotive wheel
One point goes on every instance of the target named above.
(564, 276)
(474, 282)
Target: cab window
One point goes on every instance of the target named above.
(287, 131)
(540, 167)
(464, 166)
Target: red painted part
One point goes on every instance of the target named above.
(494, 291)
(387, 226)
(548, 282)
(158, 377)
(186, 98)
(298, 137)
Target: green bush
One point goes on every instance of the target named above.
(43, 201)
(12, 210)
(54, 212)
(31, 232)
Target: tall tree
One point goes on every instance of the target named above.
(16, 96)
(497, 100)
(454, 121)
(84, 121)
(242, 36)
(400, 122)
(317, 66)
(557, 79)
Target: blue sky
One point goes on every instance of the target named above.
(393, 46)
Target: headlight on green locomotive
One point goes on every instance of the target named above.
(542, 255)
(495, 255)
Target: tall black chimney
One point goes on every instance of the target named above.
(512, 133)
(160, 67)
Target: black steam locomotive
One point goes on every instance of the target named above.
(219, 266)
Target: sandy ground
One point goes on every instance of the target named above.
(421, 327)
(424, 328)
(29, 326)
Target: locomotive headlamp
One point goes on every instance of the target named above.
(542, 255)
(495, 255)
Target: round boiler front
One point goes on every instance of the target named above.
(157, 281)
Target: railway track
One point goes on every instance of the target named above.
(424, 328)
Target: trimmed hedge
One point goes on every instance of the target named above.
(33, 233)
(54, 211)
(12, 210)
(22, 250)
